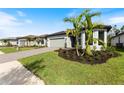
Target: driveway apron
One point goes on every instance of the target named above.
(13, 72)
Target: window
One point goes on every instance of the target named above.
(101, 36)
(42, 41)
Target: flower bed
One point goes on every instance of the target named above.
(98, 57)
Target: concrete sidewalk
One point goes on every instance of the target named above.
(13, 73)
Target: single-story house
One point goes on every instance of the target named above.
(118, 40)
(11, 41)
(41, 40)
(32, 40)
(29, 40)
(59, 39)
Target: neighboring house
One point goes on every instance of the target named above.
(118, 40)
(22, 42)
(41, 40)
(29, 40)
(12, 41)
(32, 40)
(60, 39)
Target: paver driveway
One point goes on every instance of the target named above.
(13, 73)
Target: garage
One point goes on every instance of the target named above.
(57, 42)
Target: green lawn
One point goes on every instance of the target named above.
(56, 70)
(13, 49)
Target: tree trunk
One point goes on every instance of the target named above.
(88, 49)
(77, 46)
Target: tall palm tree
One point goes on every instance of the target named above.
(76, 21)
(89, 26)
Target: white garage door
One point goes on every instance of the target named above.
(57, 42)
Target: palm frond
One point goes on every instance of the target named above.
(101, 41)
(86, 11)
(79, 18)
(95, 14)
(98, 25)
(89, 22)
(71, 19)
(71, 32)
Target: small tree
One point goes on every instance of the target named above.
(116, 30)
(38, 40)
(29, 39)
(89, 26)
(79, 23)
(122, 28)
(5, 41)
(76, 21)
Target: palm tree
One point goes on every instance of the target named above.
(29, 39)
(76, 21)
(79, 23)
(5, 41)
(38, 40)
(122, 28)
(116, 30)
(89, 26)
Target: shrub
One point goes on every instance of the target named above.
(110, 48)
(94, 48)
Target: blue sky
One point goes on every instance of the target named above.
(19, 22)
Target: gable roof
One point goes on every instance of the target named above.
(28, 36)
(42, 36)
(122, 33)
(57, 33)
(100, 27)
(9, 38)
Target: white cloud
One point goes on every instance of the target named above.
(116, 20)
(11, 25)
(28, 21)
(20, 13)
(8, 20)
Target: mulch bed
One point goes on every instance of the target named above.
(98, 57)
